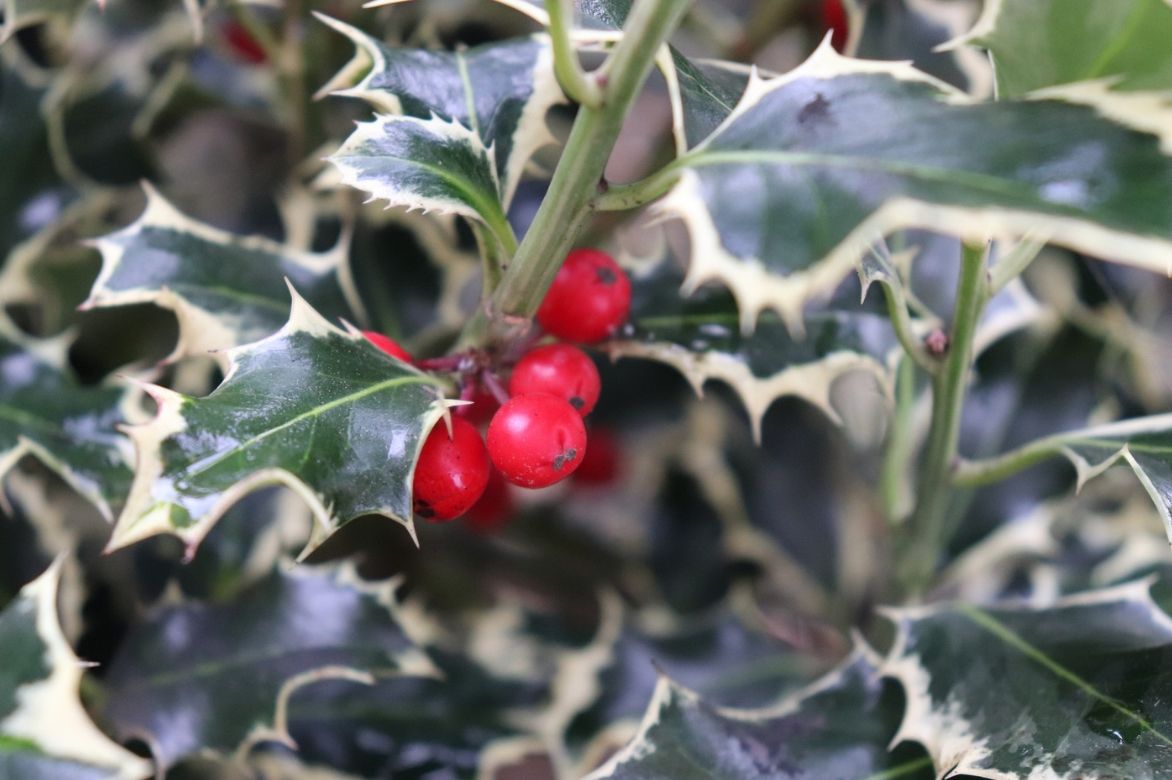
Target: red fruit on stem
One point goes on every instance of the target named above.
(452, 472)
(589, 299)
(536, 440)
(602, 462)
(561, 370)
(243, 45)
(388, 345)
(494, 509)
(834, 21)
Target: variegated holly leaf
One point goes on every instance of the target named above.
(1042, 43)
(44, 730)
(1079, 689)
(19, 14)
(319, 410)
(701, 336)
(431, 164)
(870, 148)
(708, 92)
(914, 30)
(69, 427)
(225, 290)
(197, 676)
(501, 91)
(1143, 443)
(839, 727)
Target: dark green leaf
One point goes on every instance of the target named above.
(69, 427)
(225, 290)
(45, 734)
(1076, 690)
(501, 91)
(432, 165)
(319, 410)
(702, 336)
(196, 676)
(838, 728)
(1043, 43)
(914, 29)
(815, 166)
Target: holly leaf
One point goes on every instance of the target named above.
(873, 148)
(319, 410)
(44, 730)
(703, 336)
(1042, 43)
(838, 727)
(219, 677)
(708, 91)
(501, 91)
(1143, 443)
(69, 427)
(225, 290)
(428, 164)
(915, 30)
(19, 14)
(1076, 690)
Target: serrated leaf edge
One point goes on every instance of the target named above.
(757, 290)
(395, 196)
(952, 746)
(811, 382)
(49, 712)
(142, 517)
(200, 331)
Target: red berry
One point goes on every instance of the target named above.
(601, 464)
(481, 410)
(388, 345)
(536, 440)
(834, 21)
(589, 299)
(561, 370)
(494, 509)
(452, 472)
(243, 45)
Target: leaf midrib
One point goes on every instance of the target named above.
(211, 462)
(1001, 631)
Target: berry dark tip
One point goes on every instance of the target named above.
(606, 276)
(577, 402)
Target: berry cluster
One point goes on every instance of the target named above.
(536, 435)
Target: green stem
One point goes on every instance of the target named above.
(491, 255)
(898, 454)
(974, 473)
(572, 78)
(566, 209)
(621, 197)
(929, 525)
(901, 322)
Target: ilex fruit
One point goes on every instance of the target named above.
(536, 440)
(452, 471)
(561, 370)
(589, 299)
(388, 345)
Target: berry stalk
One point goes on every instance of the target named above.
(567, 206)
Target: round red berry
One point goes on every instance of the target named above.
(603, 459)
(243, 44)
(494, 509)
(536, 440)
(561, 370)
(834, 21)
(589, 299)
(388, 345)
(452, 471)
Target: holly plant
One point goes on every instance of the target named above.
(559, 389)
